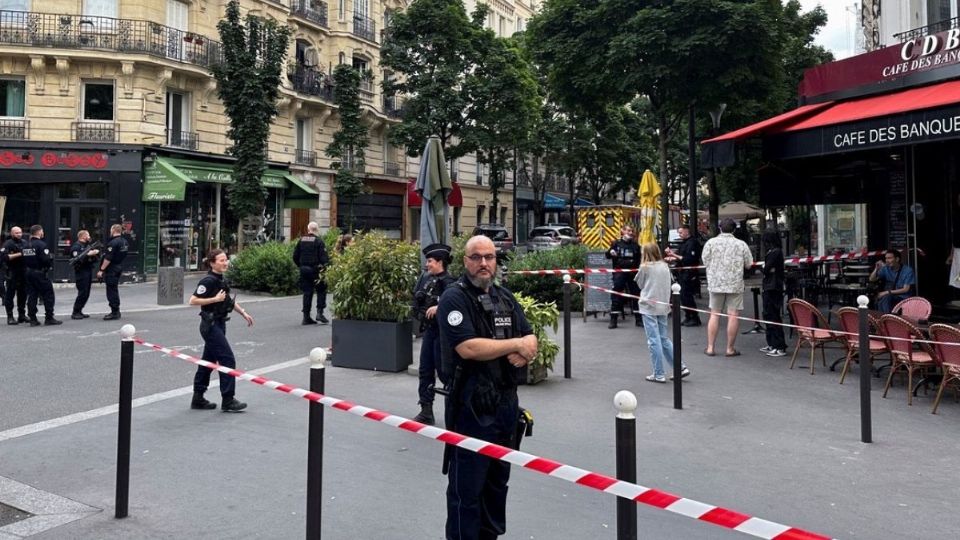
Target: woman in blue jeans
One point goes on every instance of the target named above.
(654, 281)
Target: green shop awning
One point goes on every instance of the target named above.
(300, 194)
(164, 182)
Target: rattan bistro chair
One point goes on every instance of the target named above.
(913, 309)
(902, 352)
(813, 330)
(850, 323)
(947, 344)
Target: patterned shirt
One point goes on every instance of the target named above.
(726, 257)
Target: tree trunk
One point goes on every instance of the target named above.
(664, 217)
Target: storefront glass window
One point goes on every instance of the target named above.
(842, 227)
(173, 235)
(69, 191)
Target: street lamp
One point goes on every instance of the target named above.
(715, 116)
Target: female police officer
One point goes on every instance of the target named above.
(213, 297)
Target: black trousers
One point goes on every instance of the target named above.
(112, 279)
(216, 349)
(309, 286)
(688, 287)
(16, 285)
(624, 282)
(39, 287)
(429, 363)
(83, 279)
(773, 312)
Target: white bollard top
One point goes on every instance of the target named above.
(566, 278)
(626, 403)
(318, 355)
(862, 301)
(675, 288)
(127, 331)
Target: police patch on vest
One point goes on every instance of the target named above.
(46, 252)
(454, 318)
(201, 289)
(503, 320)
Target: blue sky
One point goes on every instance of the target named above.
(838, 34)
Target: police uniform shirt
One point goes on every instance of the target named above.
(116, 251)
(310, 251)
(627, 253)
(211, 285)
(12, 245)
(457, 308)
(86, 263)
(36, 256)
(690, 252)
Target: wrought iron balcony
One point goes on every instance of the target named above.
(182, 139)
(94, 131)
(350, 164)
(14, 129)
(311, 81)
(305, 157)
(31, 29)
(311, 10)
(393, 107)
(366, 90)
(392, 169)
(935, 28)
(365, 27)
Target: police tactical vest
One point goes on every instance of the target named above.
(308, 251)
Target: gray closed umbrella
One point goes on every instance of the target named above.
(433, 185)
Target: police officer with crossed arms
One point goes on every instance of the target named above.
(12, 253)
(310, 256)
(486, 340)
(110, 269)
(37, 260)
(83, 260)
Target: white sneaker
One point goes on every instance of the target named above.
(766, 349)
(654, 378)
(777, 352)
(683, 373)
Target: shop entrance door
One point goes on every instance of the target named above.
(71, 218)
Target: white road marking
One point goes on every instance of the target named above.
(139, 402)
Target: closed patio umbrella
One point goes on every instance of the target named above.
(649, 195)
(739, 210)
(433, 185)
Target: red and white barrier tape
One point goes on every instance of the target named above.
(716, 515)
(794, 260)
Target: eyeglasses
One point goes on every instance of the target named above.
(477, 257)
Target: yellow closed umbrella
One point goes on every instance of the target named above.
(649, 194)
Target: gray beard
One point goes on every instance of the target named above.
(479, 282)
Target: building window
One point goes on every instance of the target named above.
(938, 10)
(98, 101)
(361, 9)
(480, 211)
(519, 24)
(15, 5)
(177, 15)
(304, 141)
(454, 169)
(456, 220)
(480, 173)
(178, 121)
(503, 215)
(341, 9)
(12, 92)
(503, 26)
(100, 8)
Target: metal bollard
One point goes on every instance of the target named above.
(866, 366)
(626, 404)
(123, 425)
(677, 347)
(315, 446)
(566, 326)
(757, 329)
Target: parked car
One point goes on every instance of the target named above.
(500, 236)
(551, 237)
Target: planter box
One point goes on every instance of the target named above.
(376, 345)
(532, 375)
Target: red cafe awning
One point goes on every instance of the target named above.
(413, 198)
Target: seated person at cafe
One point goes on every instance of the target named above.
(898, 280)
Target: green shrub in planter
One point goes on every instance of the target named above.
(265, 267)
(330, 239)
(546, 288)
(374, 279)
(541, 315)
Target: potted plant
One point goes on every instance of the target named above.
(540, 315)
(372, 286)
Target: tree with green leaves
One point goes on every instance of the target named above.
(248, 84)
(432, 47)
(351, 140)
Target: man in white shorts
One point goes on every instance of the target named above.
(725, 257)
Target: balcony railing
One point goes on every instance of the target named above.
(935, 28)
(14, 129)
(182, 139)
(392, 169)
(311, 10)
(305, 157)
(351, 164)
(365, 27)
(106, 33)
(94, 131)
(311, 81)
(392, 107)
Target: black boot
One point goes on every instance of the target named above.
(613, 320)
(77, 316)
(12, 321)
(321, 319)
(34, 322)
(112, 316)
(426, 414)
(231, 404)
(50, 321)
(22, 318)
(638, 319)
(307, 320)
(201, 403)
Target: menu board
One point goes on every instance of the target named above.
(597, 301)
(151, 236)
(897, 233)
